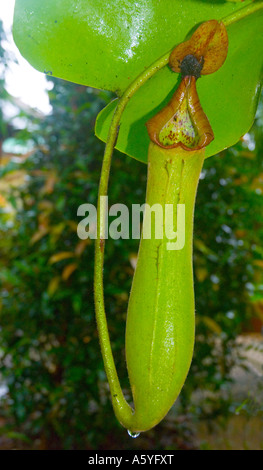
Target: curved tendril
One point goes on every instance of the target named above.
(122, 409)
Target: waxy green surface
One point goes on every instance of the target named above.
(160, 326)
(108, 44)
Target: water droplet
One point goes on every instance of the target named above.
(133, 434)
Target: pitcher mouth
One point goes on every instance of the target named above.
(182, 122)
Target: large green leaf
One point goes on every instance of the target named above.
(106, 44)
(229, 97)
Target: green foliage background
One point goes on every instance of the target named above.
(58, 395)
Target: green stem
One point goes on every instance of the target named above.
(242, 13)
(122, 410)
